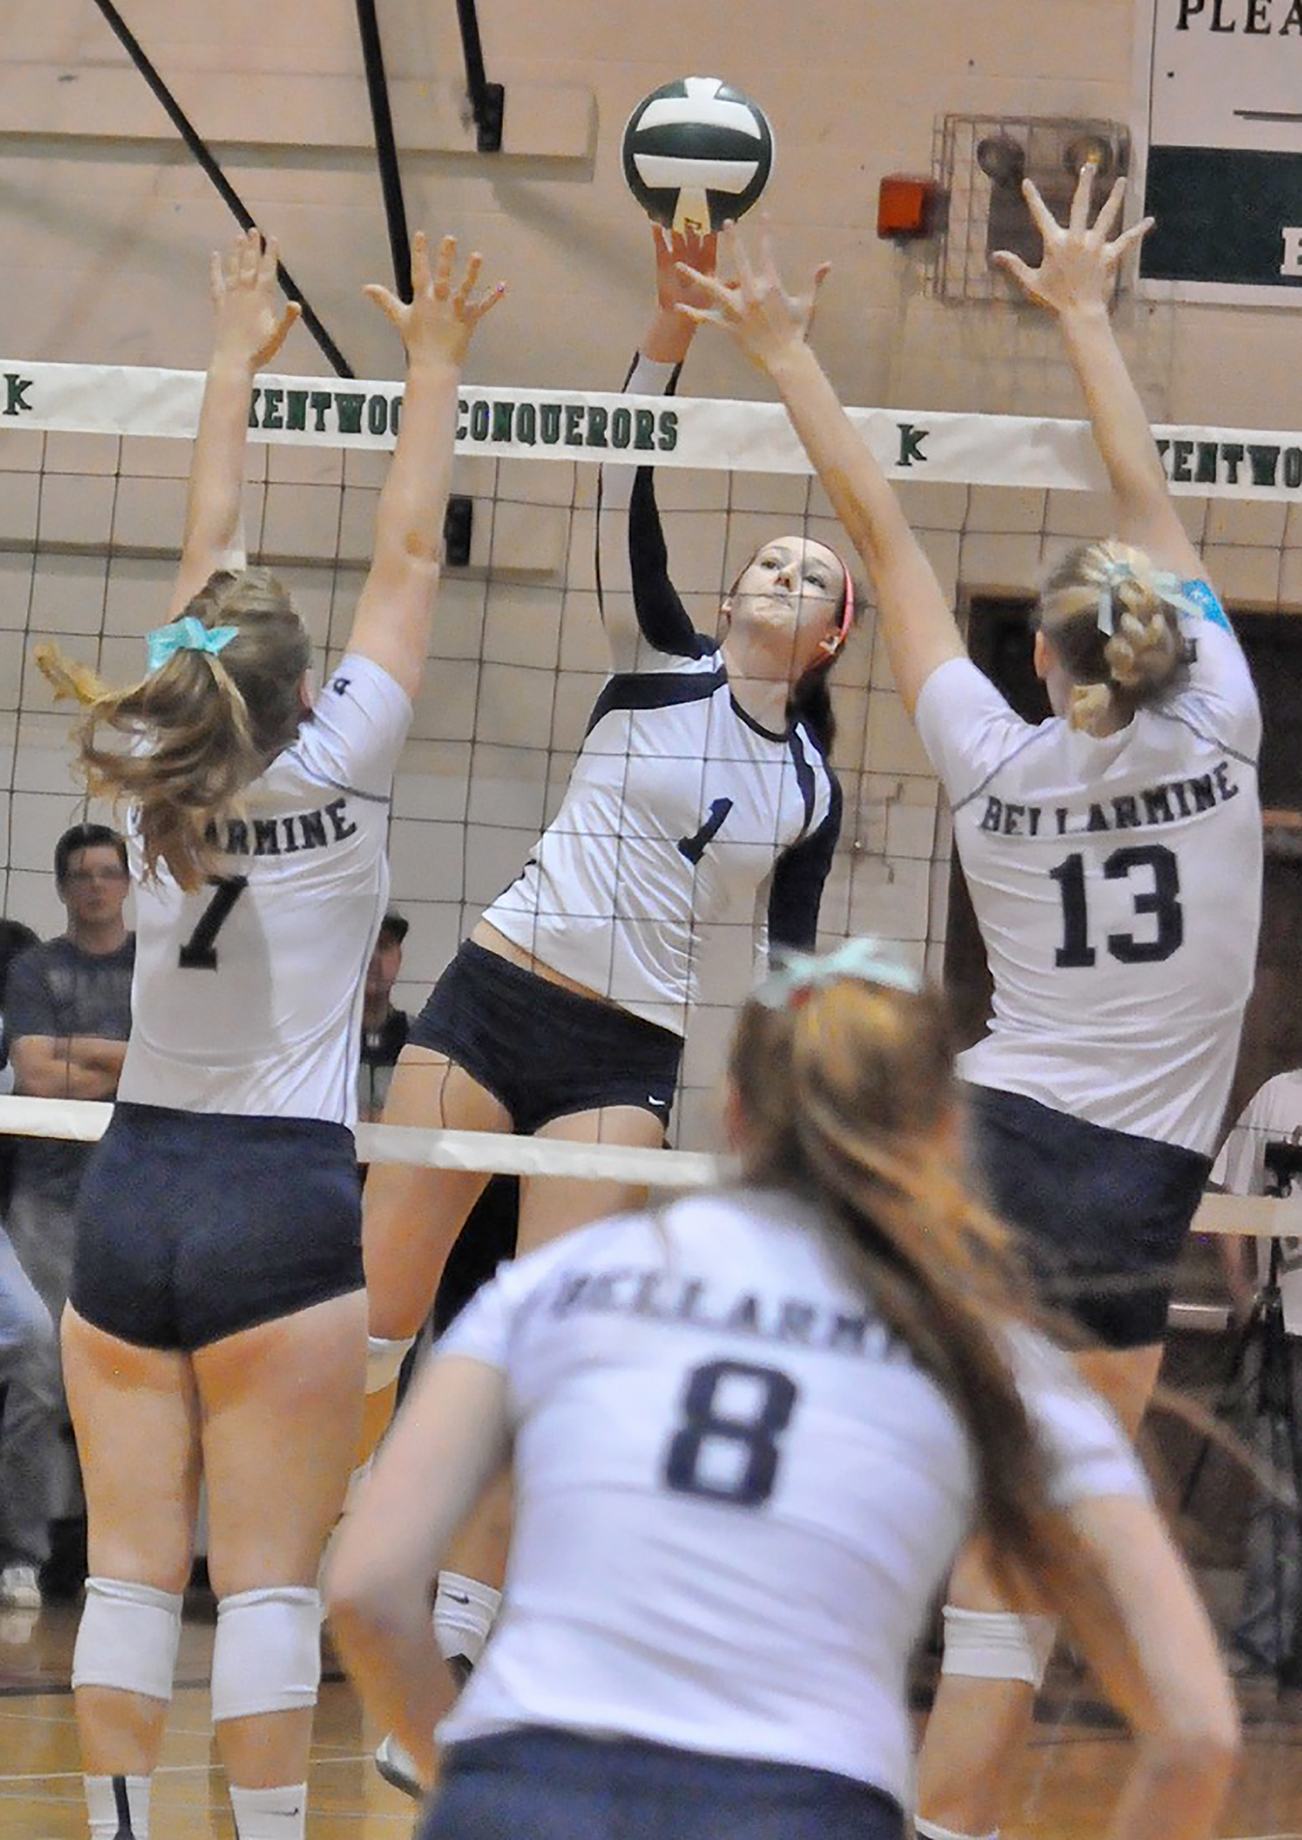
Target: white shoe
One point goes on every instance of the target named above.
(397, 1768)
(19, 1587)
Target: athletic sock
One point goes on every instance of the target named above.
(932, 1830)
(118, 1807)
(270, 1814)
(463, 1615)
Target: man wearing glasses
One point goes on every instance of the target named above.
(67, 1014)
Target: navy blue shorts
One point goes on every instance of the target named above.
(533, 1784)
(1102, 1214)
(194, 1225)
(545, 1051)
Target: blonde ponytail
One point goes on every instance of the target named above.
(846, 1096)
(198, 729)
(1109, 616)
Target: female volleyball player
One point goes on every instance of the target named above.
(702, 783)
(749, 1432)
(1114, 859)
(217, 1318)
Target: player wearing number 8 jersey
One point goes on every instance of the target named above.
(749, 1431)
(1114, 859)
(217, 1319)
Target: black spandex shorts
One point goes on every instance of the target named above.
(552, 1785)
(545, 1051)
(1102, 1215)
(193, 1225)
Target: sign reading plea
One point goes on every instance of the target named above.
(1220, 92)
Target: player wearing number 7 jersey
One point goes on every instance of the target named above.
(749, 1431)
(217, 1322)
(1113, 855)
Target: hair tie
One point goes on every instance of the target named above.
(1111, 577)
(800, 974)
(188, 634)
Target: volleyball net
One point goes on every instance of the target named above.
(93, 464)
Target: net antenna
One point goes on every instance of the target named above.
(198, 147)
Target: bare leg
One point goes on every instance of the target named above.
(978, 1728)
(549, 1207)
(281, 1412)
(136, 1418)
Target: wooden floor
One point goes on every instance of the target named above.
(1072, 1773)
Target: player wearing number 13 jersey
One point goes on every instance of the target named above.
(1114, 856)
(217, 1320)
(748, 1433)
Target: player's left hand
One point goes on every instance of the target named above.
(439, 320)
(1078, 269)
(250, 326)
(763, 318)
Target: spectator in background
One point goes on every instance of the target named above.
(1266, 1634)
(28, 1348)
(67, 1013)
(384, 1028)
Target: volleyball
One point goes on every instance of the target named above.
(697, 153)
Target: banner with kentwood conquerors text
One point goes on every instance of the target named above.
(1219, 140)
(604, 428)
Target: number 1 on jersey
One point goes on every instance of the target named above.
(199, 953)
(693, 848)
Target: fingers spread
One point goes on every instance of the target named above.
(470, 277)
(420, 274)
(1041, 216)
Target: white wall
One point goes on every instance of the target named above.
(107, 225)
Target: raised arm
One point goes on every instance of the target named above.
(394, 613)
(770, 326)
(638, 601)
(248, 332)
(1075, 281)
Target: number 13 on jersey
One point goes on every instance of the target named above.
(1155, 894)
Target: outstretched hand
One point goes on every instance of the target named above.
(763, 319)
(1079, 266)
(250, 327)
(440, 319)
(679, 256)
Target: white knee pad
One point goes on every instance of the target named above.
(998, 1645)
(127, 1638)
(384, 1360)
(266, 1656)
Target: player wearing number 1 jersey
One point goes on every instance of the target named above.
(217, 1319)
(1114, 859)
(702, 793)
(748, 1432)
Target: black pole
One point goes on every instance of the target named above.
(386, 147)
(234, 203)
(487, 100)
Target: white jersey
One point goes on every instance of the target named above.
(1272, 1116)
(1117, 884)
(736, 1494)
(248, 994)
(681, 810)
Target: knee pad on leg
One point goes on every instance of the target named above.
(998, 1645)
(127, 1638)
(266, 1656)
(384, 1360)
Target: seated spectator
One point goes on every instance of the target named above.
(384, 1028)
(67, 1015)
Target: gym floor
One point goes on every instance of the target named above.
(1073, 1771)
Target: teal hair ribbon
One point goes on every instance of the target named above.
(867, 960)
(1165, 583)
(188, 634)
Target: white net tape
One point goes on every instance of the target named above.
(85, 1121)
(601, 428)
